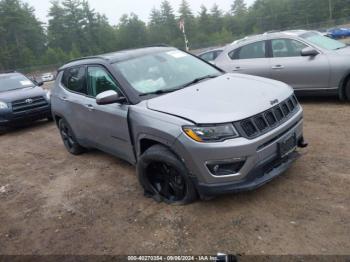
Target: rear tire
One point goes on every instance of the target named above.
(69, 140)
(164, 177)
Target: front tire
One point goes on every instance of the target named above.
(164, 177)
(347, 90)
(2, 130)
(69, 139)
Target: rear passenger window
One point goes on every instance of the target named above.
(251, 51)
(217, 54)
(74, 80)
(210, 56)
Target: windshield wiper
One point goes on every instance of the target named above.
(341, 47)
(199, 79)
(194, 81)
(159, 92)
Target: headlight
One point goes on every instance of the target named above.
(215, 133)
(3, 105)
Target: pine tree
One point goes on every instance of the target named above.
(204, 20)
(216, 19)
(239, 8)
(21, 35)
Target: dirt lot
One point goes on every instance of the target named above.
(55, 203)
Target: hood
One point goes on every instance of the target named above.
(23, 93)
(227, 98)
(343, 51)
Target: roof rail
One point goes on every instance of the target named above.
(158, 45)
(272, 31)
(8, 71)
(86, 58)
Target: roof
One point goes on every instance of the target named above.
(119, 56)
(8, 72)
(269, 34)
(207, 50)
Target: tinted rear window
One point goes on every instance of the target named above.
(251, 51)
(74, 79)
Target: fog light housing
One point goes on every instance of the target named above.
(225, 168)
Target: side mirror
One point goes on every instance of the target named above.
(39, 83)
(109, 97)
(309, 51)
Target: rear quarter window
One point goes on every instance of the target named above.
(74, 79)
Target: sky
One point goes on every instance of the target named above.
(114, 9)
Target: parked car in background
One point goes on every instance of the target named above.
(338, 33)
(211, 55)
(21, 100)
(188, 127)
(47, 77)
(305, 60)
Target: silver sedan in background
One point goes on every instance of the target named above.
(211, 55)
(305, 60)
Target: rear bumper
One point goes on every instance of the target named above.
(258, 177)
(13, 119)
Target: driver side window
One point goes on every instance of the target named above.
(286, 47)
(99, 80)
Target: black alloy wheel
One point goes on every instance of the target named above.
(166, 181)
(68, 138)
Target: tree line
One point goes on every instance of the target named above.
(74, 29)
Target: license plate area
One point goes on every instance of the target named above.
(287, 146)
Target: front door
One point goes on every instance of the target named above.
(300, 72)
(109, 129)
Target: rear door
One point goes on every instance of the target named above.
(251, 59)
(70, 100)
(300, 72)
(108, 124)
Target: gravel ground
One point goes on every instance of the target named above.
(55, 203)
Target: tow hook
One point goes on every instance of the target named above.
(302, 143)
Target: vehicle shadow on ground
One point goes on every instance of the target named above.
(93, 153)
(321, 99)
(26, 127)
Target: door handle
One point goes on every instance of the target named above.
(90, 107)
(278, 67)
(237, 68)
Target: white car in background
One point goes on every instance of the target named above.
(47, 77)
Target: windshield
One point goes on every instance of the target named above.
(164, 71)
(10, 82)
(323, 41)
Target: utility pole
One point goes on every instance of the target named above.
(330, 10)
(182, 27)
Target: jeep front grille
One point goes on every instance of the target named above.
(262, 123)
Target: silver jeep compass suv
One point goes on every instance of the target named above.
(190, 129)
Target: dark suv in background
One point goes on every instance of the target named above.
(22, 100)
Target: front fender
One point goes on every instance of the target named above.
(156, 126)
